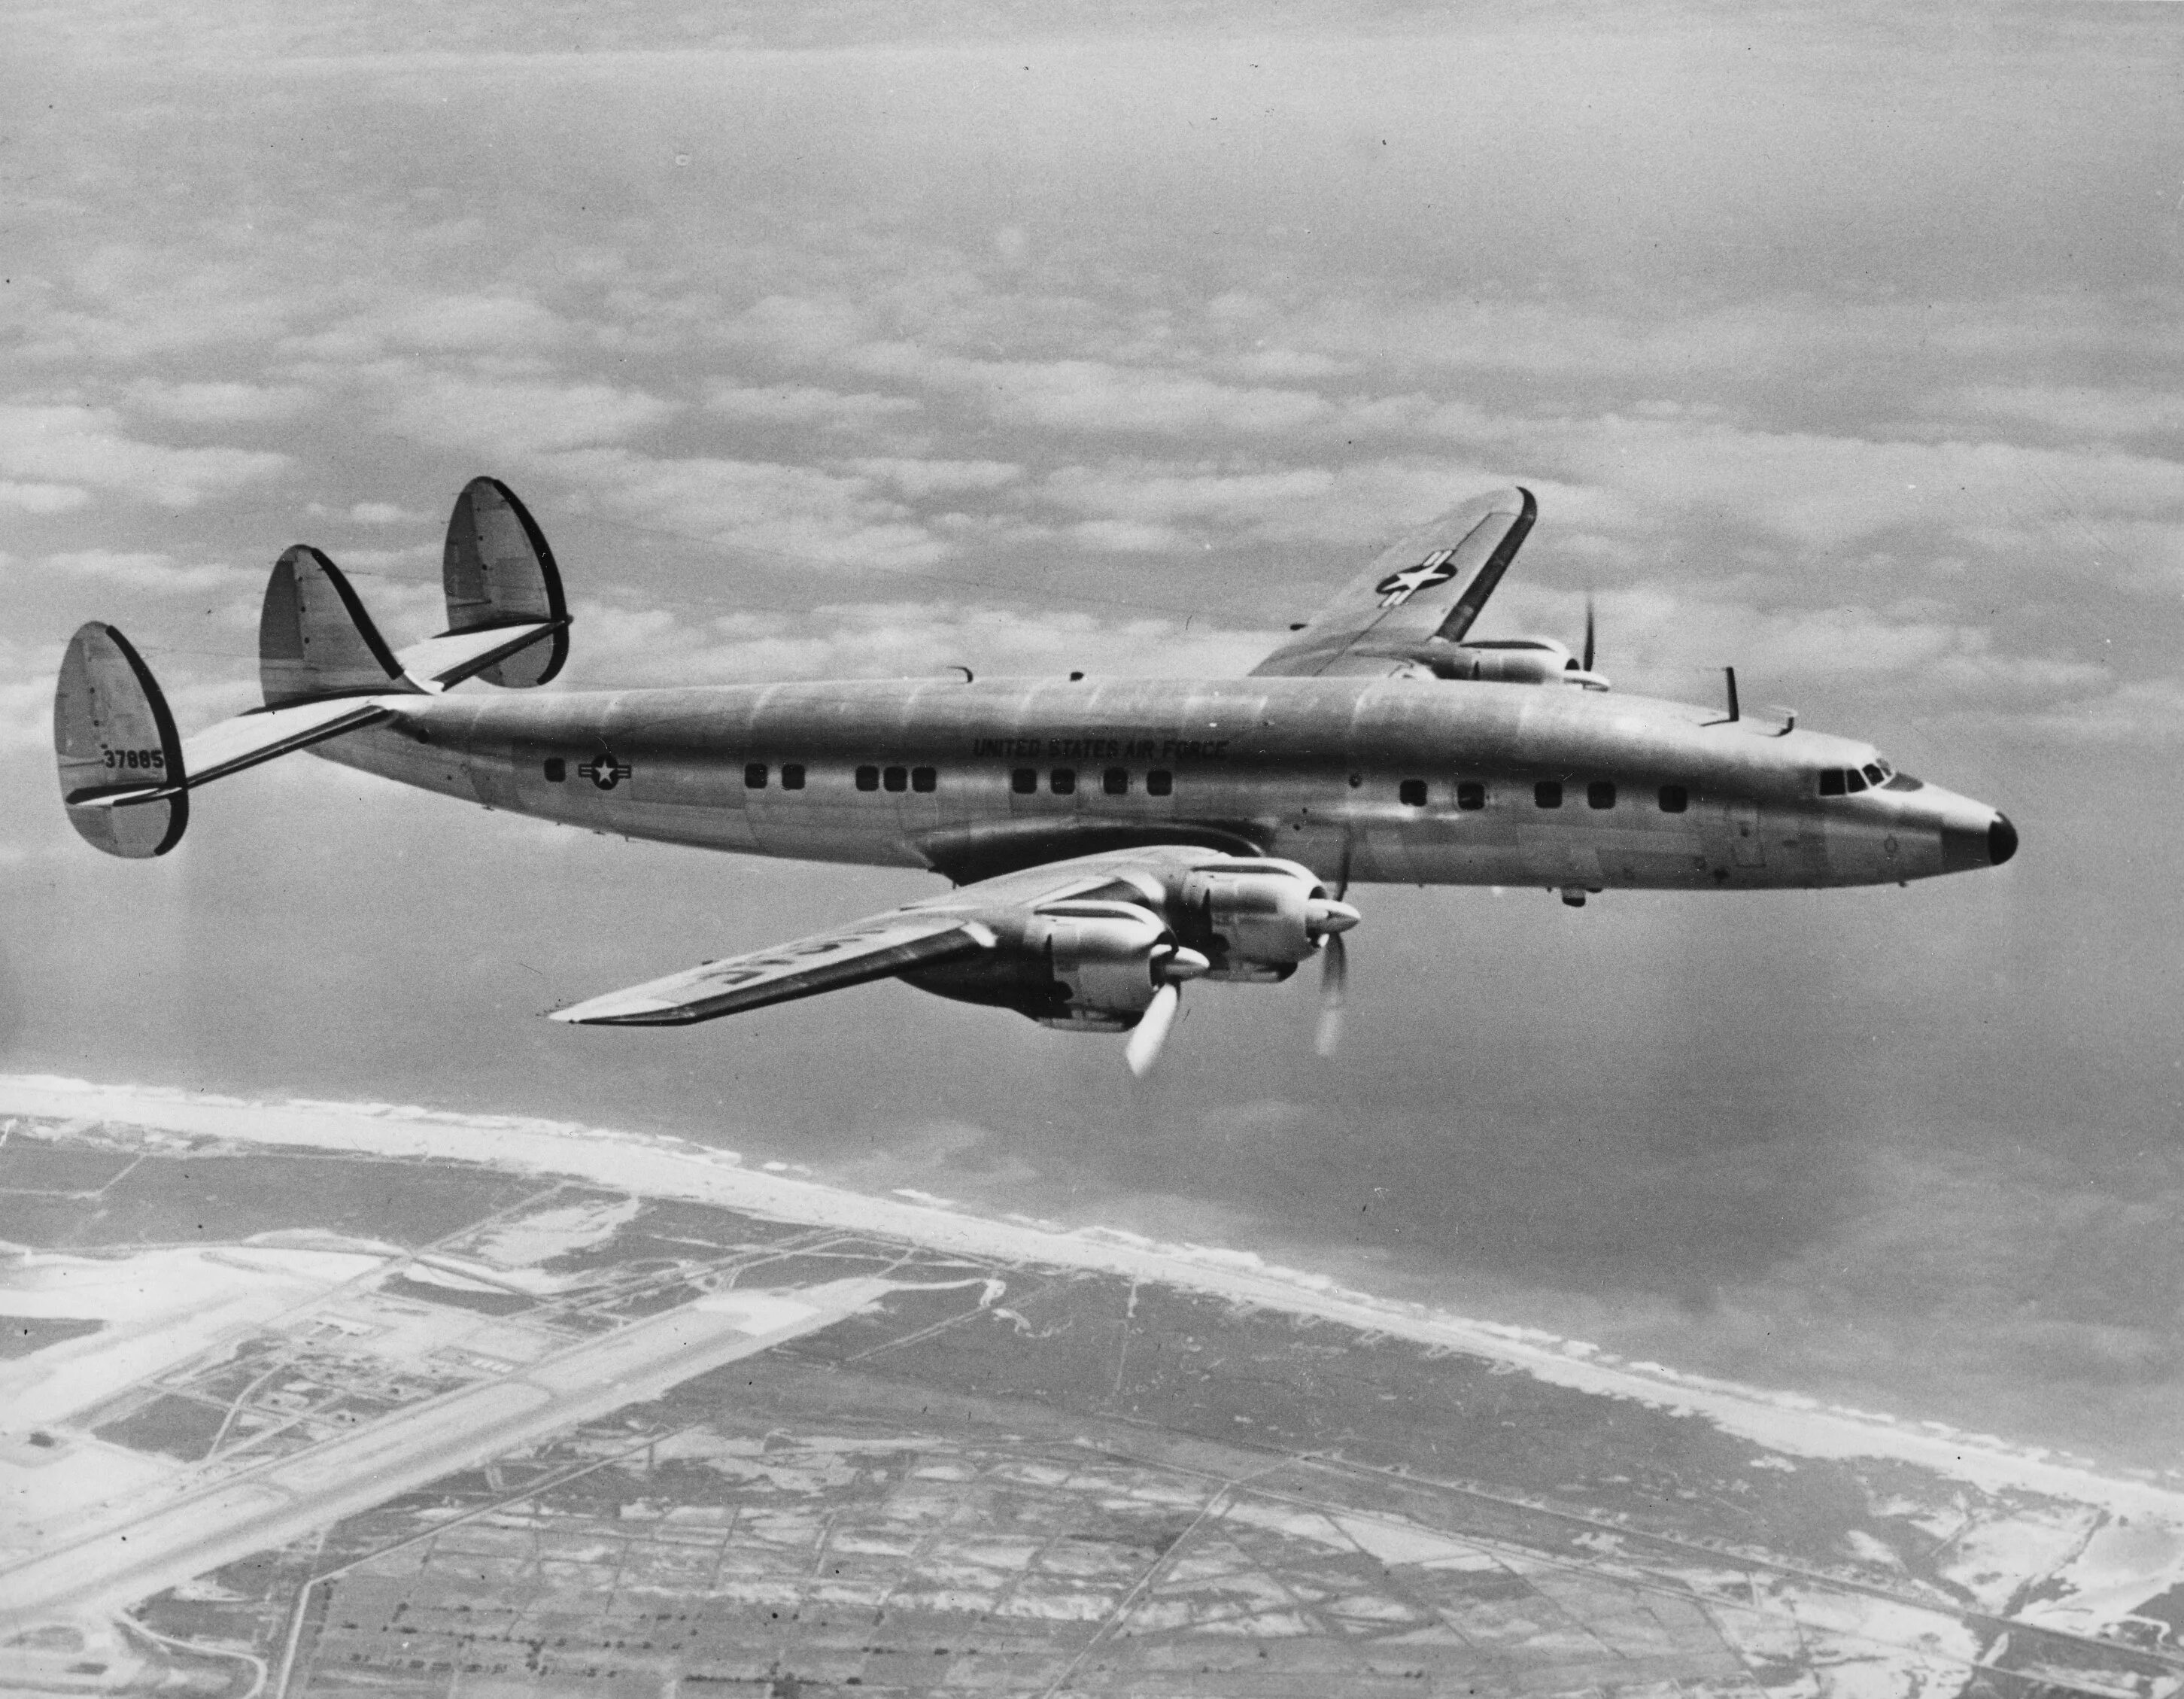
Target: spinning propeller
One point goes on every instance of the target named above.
(1326, 919)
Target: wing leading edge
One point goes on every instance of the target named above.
(874, 949)
(1430, 585)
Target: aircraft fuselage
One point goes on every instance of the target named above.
(1405, 780)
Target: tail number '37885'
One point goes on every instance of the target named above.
(137, 758)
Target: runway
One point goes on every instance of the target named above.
(166, 1544)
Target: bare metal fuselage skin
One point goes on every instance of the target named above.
(1312, 769)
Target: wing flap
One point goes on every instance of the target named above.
(875, 948)
(1431, 584)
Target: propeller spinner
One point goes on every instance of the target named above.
(1171, 968)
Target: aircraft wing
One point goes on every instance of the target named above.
(958, 923)
(1431, 584)
(874, 949)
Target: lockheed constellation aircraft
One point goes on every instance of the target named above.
(1109, 839)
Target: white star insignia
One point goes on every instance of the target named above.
(1398, 587)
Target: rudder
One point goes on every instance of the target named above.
(114, 742)
(498, 570)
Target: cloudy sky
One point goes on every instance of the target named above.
(1839, 344)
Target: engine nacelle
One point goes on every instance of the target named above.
(1517, 660)
(1112, 957)
(1258, 919)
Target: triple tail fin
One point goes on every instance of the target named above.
(126, 774)
(322, 665)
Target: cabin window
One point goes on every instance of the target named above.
(1116, 781)
(868, 778)
(1831, 781)
(792, 775)
(923, 778)
(1470, 794)
(556, 769)
(1062, 781)
(1412, 792)
(896, 778)
(755, 776)
(1600, 794)
(1548, 792)
(1675, 798)
(1160, 781)
(1024, 781)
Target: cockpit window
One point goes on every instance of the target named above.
(1874, 775)
(1904, 782)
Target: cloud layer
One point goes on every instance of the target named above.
(1839, 346)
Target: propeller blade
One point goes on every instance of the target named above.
(1588, 633)
(1333, 992)
(1150, 1032)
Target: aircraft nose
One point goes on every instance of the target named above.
(1972, 841)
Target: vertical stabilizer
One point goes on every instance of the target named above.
(499, 573)
(315, 638)
(120, 760)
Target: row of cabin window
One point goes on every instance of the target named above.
(1471, 794)
(1113, 781)
(1024, 781)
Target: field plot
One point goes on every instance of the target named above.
(559, 1439)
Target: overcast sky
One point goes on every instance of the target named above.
(1841, 345)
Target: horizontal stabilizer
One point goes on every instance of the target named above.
(875, 948)
(249, 739)
(453, 656)
(242, 741)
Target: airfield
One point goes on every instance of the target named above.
(339, 1400)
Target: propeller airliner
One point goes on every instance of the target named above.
(1108, 840)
